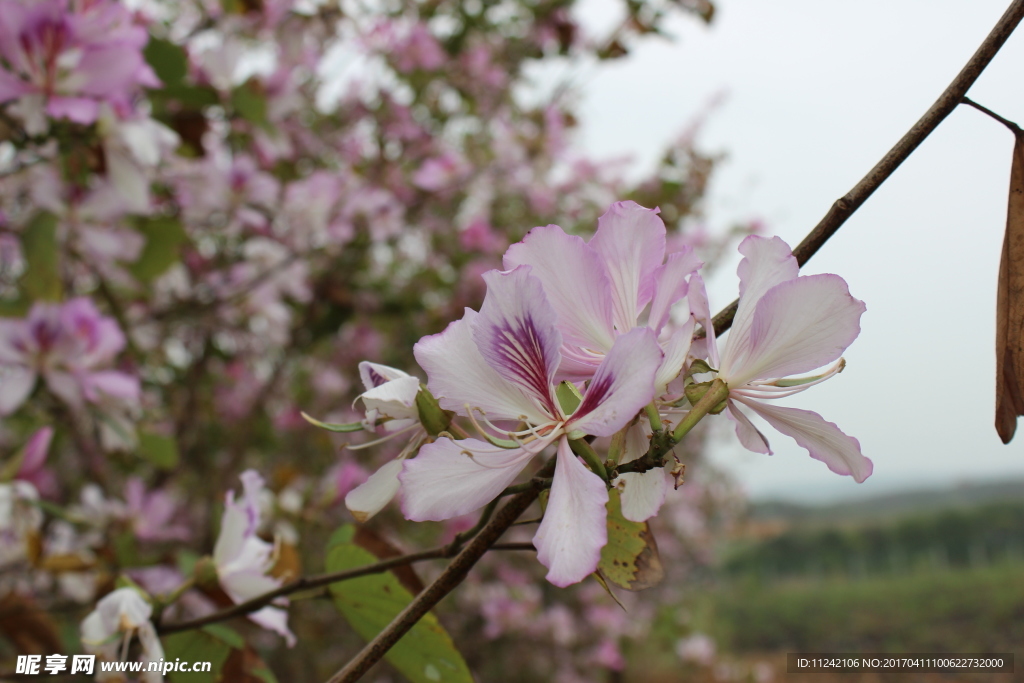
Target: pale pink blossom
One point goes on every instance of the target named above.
(69, 345)
(500, 364)
(390, 402)
(68, 58)
(788, 324)
(107, 631)
(602, 289)
(244, 560)
(154, 515)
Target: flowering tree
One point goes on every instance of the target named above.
(223, 222)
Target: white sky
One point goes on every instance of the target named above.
(818, 91)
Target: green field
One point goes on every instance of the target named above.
(937, 611)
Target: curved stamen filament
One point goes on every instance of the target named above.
(368, 444)
(494, 441)
(792, 386)
(528, 452)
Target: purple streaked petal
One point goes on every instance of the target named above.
(750, 436)
(642, 494)
(375, 374)
(517, 335)
(578, 365)
(444, 482)
(396, 399)
(574, 530)
(458, 374)
(631, 241)
(623, 384)
(823, 440)
(767, 262)
(370, 497)
(670, 285)
(575, 282)
(798, 326)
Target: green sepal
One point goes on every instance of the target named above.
(569, 397)
(695, 392)
(698, 367)
(433, 417)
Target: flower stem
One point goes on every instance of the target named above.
(589, 455)
(653, 416)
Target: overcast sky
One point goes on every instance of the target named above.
(818, 91)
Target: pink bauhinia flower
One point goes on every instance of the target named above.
(501, 363)
(604, 288)
(390, 401)
(66, 59)
(785, 325)
(243, 560)
(108, 630)
(68, 344)
(600, 289)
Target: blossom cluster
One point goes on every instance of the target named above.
(210, 213)
(612, 322)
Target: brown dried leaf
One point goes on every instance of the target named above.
(246, 666)
(27, 627)
(1010, 306)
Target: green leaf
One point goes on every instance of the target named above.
(630, 559)
(569, 397)
(190, 95)
(225, 634)
(168, 60)
(334, 426)
(41, 280)
(160, 450)
(212, 643)
(164, 238)
(264, 674)
(250, 103)
(425, 654)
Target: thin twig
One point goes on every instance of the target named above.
(451, 577)
(319, 581)
(843, 208)
(985, 110)
(305, 583)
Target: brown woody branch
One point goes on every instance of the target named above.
(318, 581)
(452, 576)
(953, 95)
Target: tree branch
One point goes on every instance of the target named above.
(844, 207)
(300, 584)
(311, 582)
(444, 584)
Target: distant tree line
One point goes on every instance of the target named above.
(977, 536)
